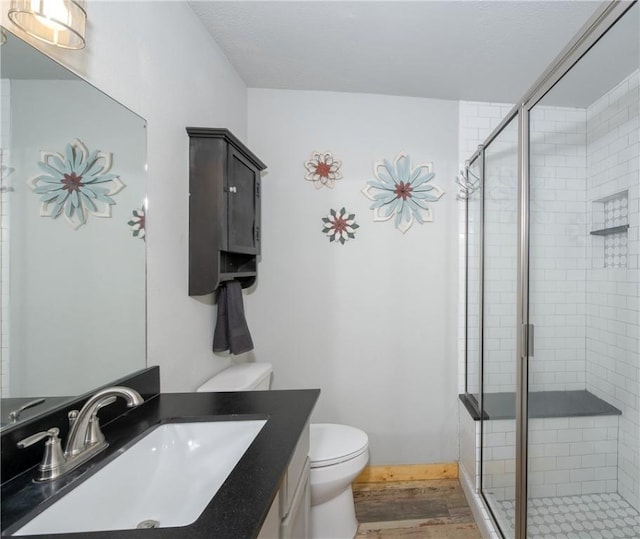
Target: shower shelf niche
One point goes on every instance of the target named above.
(611, 219)
(609, 231)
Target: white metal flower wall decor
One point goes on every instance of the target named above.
(402, 190)
(340, 226)
(323, 170)
(76, 184)
(137, 223)
(468, 183)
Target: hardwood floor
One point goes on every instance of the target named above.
(433, 509)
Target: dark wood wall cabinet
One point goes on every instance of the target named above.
(224, 210)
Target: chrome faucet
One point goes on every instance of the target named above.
(85, 438)
(14, 415)
(85, 429)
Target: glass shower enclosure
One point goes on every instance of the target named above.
(552, 295)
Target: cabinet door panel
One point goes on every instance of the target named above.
(242, 189)
(296, 523)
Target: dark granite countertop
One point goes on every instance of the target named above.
(239, 507)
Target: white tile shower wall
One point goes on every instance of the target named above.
(5, 126)
(557, 247)
(567, 456)
(469, 471)
(500, 261)
(469, 444)
(476, 122)
(612, 316)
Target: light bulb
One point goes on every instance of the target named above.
(49, 11)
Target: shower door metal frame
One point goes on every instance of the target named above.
(598, 25)
(479, 158)
(480, 155)
(522, 333)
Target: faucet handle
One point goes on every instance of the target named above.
(72, 415)
(15, 414)
(52, 433)
(53, 461)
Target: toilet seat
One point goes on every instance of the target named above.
(332, 444)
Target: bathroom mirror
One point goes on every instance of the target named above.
(73, 275)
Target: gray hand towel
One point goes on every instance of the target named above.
(232, 332)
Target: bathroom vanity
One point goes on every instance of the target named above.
(264, 496)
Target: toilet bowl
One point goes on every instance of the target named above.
(337, 454)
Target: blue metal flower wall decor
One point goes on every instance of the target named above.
(340, 226)
(76, 184)
(402, 191)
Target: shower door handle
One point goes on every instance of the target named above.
(527, 340)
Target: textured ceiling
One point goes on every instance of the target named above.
(470, 50)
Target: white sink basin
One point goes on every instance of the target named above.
(169, 476)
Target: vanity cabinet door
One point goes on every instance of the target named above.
(296, 524)
(243, 204)
(224, 210)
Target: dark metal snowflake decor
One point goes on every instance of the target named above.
(137, 223)
(340, 226)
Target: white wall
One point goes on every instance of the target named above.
(372, 322)
(158, 60)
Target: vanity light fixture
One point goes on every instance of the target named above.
(57, 22)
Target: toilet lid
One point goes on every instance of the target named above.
(332, 444)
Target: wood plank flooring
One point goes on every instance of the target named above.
(430, 509)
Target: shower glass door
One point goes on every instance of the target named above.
(499, 284)
(583, 369)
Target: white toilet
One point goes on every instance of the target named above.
(338, 453)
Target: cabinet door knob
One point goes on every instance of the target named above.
(233, 189)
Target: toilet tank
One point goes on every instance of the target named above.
(241, 377)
